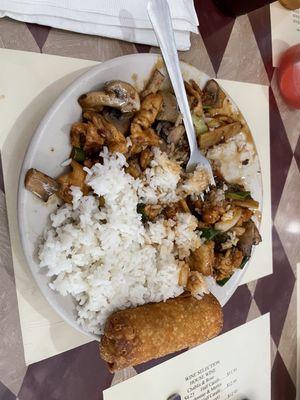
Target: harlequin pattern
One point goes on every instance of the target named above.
(79, 373)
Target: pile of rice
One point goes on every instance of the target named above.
(106, 258)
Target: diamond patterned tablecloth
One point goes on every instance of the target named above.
(237, 49)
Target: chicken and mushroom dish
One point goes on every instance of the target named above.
(133, 226)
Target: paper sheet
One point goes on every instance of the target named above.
(233, 366)
(285, 29)
(29, 83)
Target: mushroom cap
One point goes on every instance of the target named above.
(169, 111)
(116, 94)
(121, 120)
(126, 94)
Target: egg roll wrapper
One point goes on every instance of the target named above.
(136, 335)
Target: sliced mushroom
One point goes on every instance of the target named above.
(126, 93)
(212, 95)
(154, 84)
(40, 184)
(163, 129)
(120, 120)
(116, 94)
(169, 110)
(227, 223)
(176, 134)
(194, 92)
(214, 137)
(250, 237)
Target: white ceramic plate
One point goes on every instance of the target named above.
(50, 146)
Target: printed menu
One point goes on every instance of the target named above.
(233, 366)
(285, 29)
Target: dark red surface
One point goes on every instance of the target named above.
(273, 292)
(283, 387)
(78, 374)
(261, 26)
(238, 7)
(281, 153)
(142, 48)
(237, 308)
(150, 364)
(40, 33)
(215, 29)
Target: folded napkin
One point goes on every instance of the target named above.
(120, 19)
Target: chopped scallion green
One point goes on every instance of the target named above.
(223, 281)
(238, 195)
(199, 124)
(78, 154)
(208, 233)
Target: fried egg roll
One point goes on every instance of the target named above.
(136, 335)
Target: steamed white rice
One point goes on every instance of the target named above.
(106, 259)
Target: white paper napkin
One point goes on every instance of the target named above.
(120, 19)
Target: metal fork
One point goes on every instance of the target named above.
(160, 17)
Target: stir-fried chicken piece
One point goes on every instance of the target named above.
(113, 138)
(87, 137)
(225, 264)
(133, 168)
(212, 214)
(145, 158)
(202, 259)
(142, 135)
(245, 217)
(149, 211)
(141, 139)
(196, 284)
(150, 107)
(194, 92)
(183, 274)
(154, 84)
(74, 178)
(173, 208)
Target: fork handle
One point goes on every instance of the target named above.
(160, 17)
